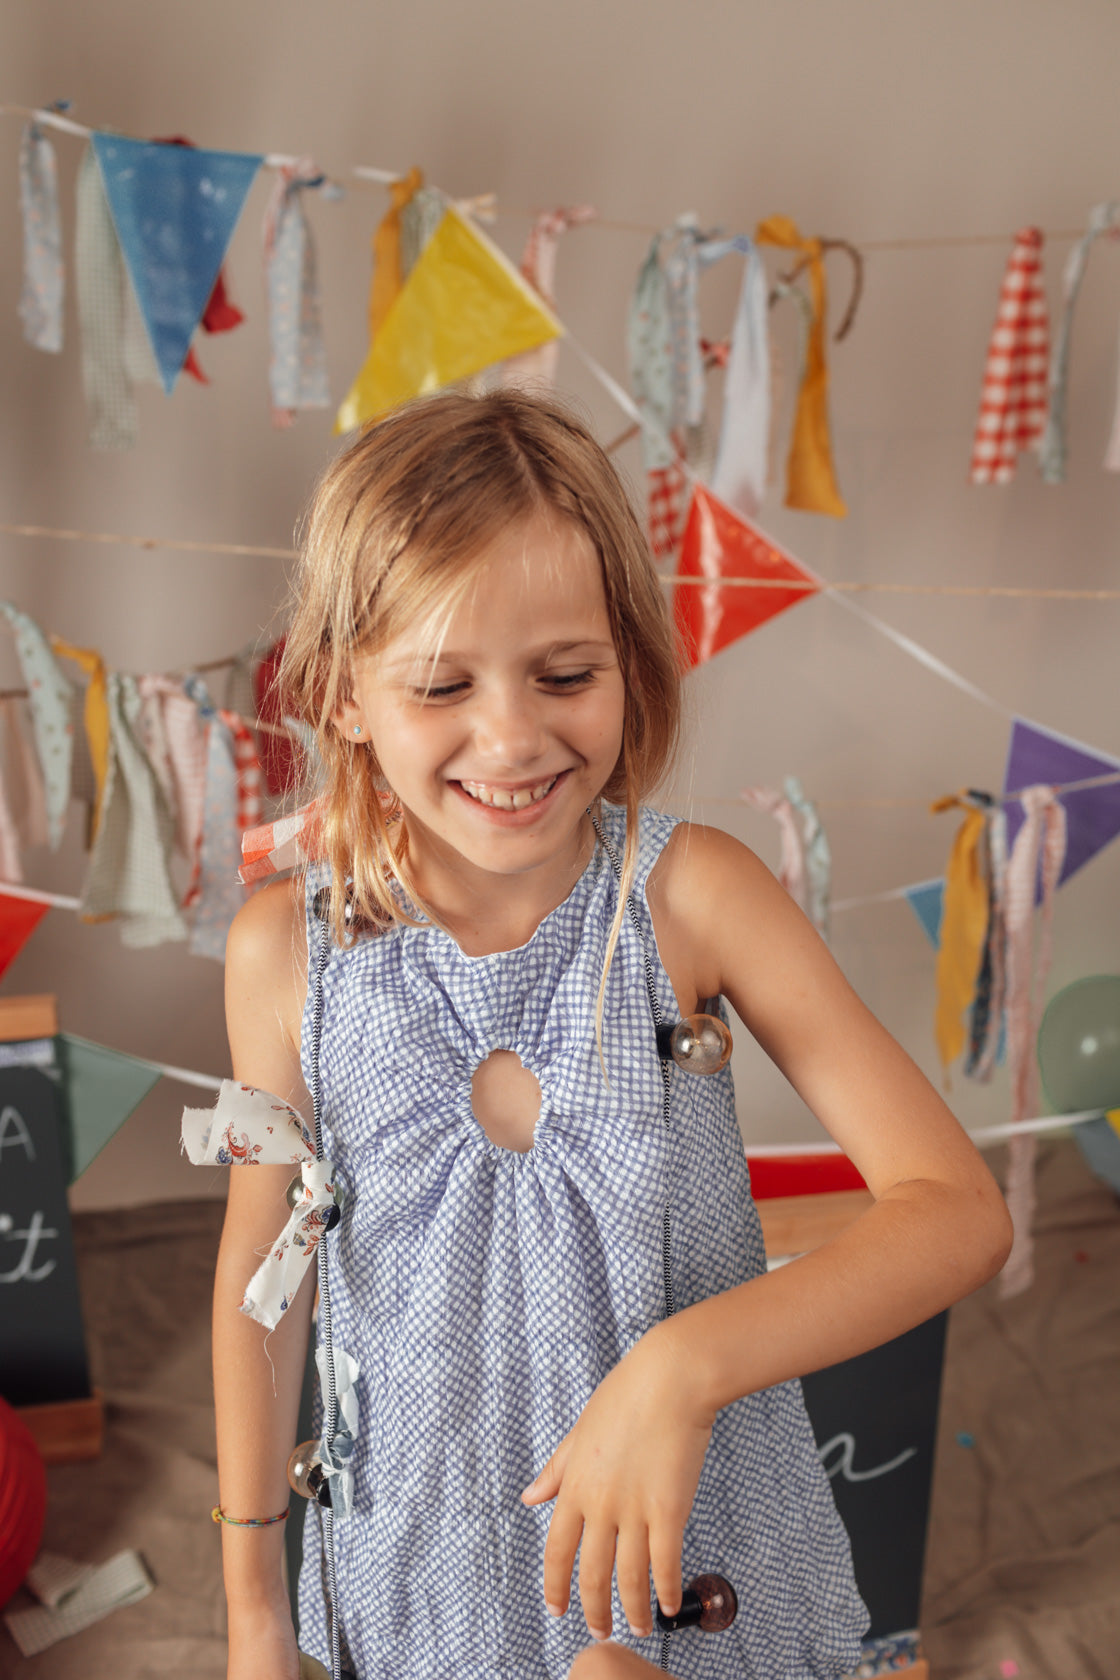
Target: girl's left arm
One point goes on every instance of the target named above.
(938, 1227)
(625, 1477)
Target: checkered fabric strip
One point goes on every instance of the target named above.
(666, 506)
(1013, 397)
(250, 779)
(282, 844)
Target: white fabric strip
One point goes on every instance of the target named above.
(75, 1596)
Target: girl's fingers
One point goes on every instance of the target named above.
(546, 1485)
(560, 1556)
(632, 1574)
(665, 1561)
(596, 1569)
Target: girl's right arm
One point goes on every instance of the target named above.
(257, 1387)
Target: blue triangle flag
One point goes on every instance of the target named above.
(174, 209)
(926, 898)
(1092, 814)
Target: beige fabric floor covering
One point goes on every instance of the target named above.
(1023, 1568)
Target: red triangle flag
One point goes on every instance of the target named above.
(19, 917)
(721, 544)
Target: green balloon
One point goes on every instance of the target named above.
(1079, 1046)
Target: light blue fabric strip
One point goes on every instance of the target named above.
(40, 304)
(298, 367)
(1053, 450)
(650, 353)
(818, 855)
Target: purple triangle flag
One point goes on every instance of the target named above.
(174, 209)
(1092, 814)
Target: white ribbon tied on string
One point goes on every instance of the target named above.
(247, 1127)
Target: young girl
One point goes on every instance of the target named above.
(547, 1280)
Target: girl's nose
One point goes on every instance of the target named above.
(508, 728)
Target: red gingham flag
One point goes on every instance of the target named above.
(1014, 393)
(667, 496)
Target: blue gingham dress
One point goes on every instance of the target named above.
(485, 1293)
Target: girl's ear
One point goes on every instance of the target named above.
(347, 720)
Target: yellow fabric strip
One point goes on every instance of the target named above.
(386, 281)
(810, 478)
(96, 714)
(964, 926)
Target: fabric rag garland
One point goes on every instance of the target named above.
(174, 737)
(1038, 853)
(810, 476)
(50, 697)
(130, 865)
(986, 1018)
(298, 363)
(40, 304)
(99, 279)
(232, 804)
(964, 924)
(805, 862)
(987, 966)
(286, 843)
(668, 358)
(11, 868)
(248, 1127)
(1103, 218)
(25, 776)
(538, 266)
(1013, 394)
(96, 715)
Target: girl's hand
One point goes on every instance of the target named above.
(624, 1480)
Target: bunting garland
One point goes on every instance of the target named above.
(19, 917)
(719, 544)
(443, 270)
(174, 208)
(462, 308)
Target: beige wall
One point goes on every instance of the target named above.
(874, 120)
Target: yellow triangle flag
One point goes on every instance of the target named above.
(463, 307)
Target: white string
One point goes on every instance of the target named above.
(907, 645)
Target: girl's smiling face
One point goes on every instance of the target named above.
(496, 740)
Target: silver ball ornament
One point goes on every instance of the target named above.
(305, 1473)
(700, 1044)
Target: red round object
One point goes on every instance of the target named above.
(23, 1500)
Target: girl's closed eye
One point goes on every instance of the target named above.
(443, 691)
(568, 679)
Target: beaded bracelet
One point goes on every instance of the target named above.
(218, 1515)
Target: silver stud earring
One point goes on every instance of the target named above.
(357, 729)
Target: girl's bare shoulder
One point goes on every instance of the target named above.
(704, 887)
(266, 963)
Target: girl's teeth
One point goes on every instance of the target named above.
(503, 798)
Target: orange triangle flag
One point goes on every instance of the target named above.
(719, 544)
(19, 917)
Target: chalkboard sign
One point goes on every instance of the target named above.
(42, 1345)
(875, 1422)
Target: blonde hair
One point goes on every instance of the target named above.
(396, 535)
